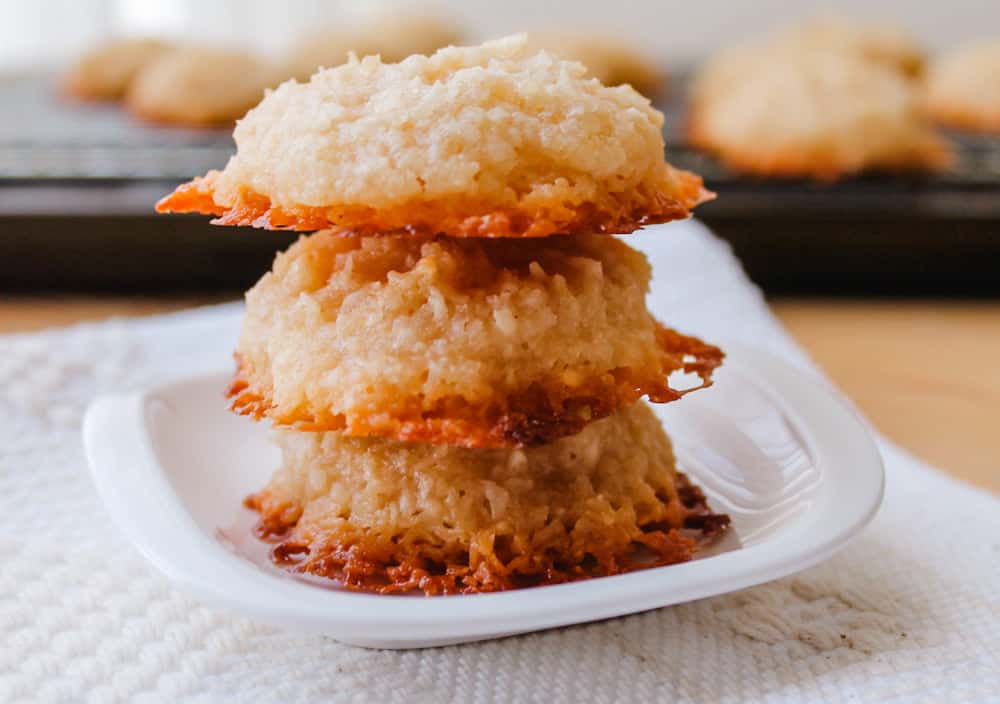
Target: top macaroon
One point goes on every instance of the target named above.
(488, 141)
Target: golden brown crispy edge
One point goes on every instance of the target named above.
(359, 563)
(536, 416)
(454, 217)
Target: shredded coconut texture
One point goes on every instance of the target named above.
(470, 342)
(396, 517)
(493, 140)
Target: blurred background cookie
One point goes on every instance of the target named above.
(393, 36)
(792, 111)
(963, 88)
(105, 72)
(200, 86)
(610, 60)
(822, 99)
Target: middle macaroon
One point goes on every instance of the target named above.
(467, 342)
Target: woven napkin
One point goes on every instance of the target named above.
(909, 611)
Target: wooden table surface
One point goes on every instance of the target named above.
(927, 373)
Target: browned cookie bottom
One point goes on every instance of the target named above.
(392, 517)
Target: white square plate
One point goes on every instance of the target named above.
(789, 461)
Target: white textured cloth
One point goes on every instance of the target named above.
(908, 612)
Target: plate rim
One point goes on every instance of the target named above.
(138, 494)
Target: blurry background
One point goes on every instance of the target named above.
(53, 31)
(890, 280)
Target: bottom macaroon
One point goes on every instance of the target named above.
(393, 517)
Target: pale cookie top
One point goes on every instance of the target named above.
(105, 72)
(884, 44)
(963, 87)
(484, 141)
(200, 86)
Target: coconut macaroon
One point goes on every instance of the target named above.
(476, 343)
(105, 72)
(487, 141)
(397, 517)
(200, 86)
(963, 88)
(818, 113)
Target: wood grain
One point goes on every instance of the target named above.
(927, 373)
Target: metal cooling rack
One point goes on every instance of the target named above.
(46, 136)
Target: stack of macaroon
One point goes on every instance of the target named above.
(454, 360)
